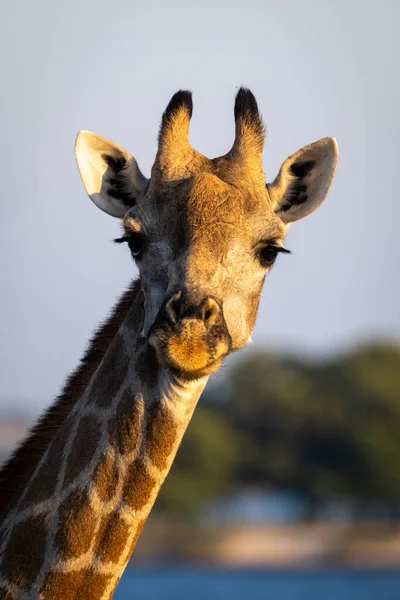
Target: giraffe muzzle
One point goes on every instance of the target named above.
(189, 337)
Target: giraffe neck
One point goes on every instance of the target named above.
(71, 531)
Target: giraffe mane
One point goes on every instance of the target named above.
(17, 470)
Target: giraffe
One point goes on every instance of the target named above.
(204, 233)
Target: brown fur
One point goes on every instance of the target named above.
(85, 585)
(85, 443)
(19, 468)
(61, 585)
(116, 364)
(161, 436)
(77, 521)
(26, 549)
(113, 542)
(43, 484)
(124, 429)
(139, 484)
(105, 478)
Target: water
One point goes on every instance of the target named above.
(170, 584)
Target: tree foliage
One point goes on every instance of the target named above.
(323, 430)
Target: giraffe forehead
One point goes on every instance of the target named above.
(223, 219)
(212, 202)
(203, 203)
(203, 213)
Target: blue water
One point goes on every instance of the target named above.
(170, 584)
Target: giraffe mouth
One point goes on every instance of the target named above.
(189, 348)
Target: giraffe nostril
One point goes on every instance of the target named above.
(209, 312)
(178, 307)
(173, 308)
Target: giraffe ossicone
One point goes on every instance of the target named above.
(204, 233)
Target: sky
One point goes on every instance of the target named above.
(317, 69)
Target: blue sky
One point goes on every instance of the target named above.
(317, 69)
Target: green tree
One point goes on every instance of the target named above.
(325, 430)
(204, 466)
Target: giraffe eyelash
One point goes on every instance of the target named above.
(135, 242)
(268, 252)
(123, 239)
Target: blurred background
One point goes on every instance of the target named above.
(288, 479)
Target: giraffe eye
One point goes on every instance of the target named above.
(267, 254)
(135, 243)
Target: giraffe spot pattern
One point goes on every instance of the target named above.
(93, 586)
(125, 427)
(111, 374)
(161, 435)
(105, 478)
(84, 446)
(61, 585)
(77, 522)
(138, 531)
(25, 552)
(45, 480)
(114, 539)
(77, 585)
(138, 486)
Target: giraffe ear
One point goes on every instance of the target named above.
(304, 180)
(111, 176)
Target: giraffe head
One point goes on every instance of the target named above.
(203, 232)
